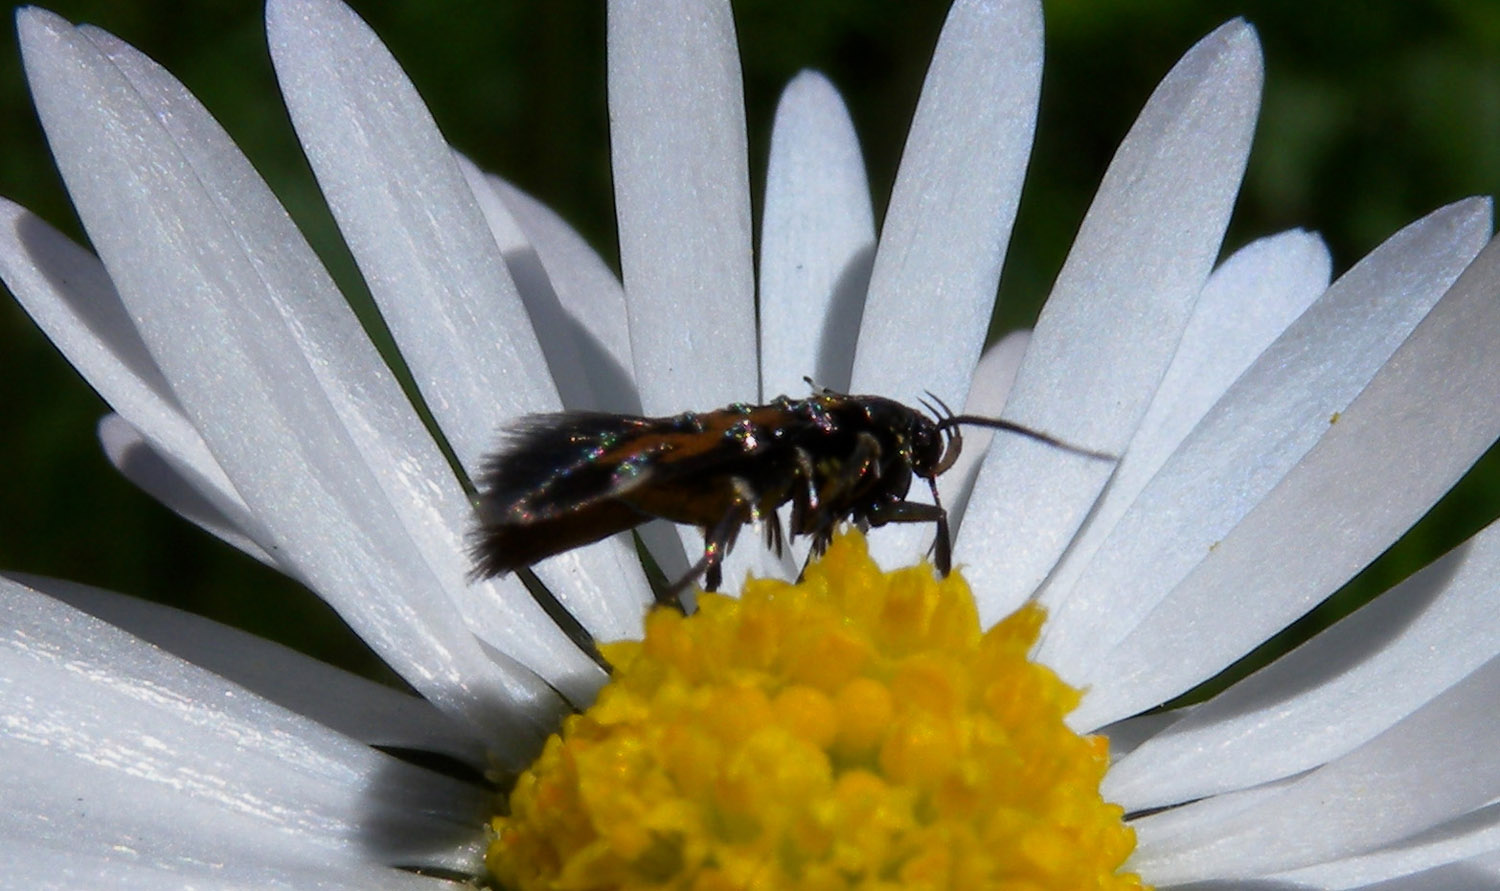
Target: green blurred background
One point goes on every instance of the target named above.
(1374, 114)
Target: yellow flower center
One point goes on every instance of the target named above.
(854, 730)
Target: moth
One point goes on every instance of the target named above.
(565, 480)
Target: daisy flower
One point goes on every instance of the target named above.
(1274, 432)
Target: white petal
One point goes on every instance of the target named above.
(1477, 874)
(435, 510)
(951, 210)
(993, 377)
(549, 321)
(589, 292)
(1405, 440)
(1332, 694)
(187, 494)
(417, 231)
(360, 709)
(441, 282)
(1109, 330)
(1248, 302)
(677, 139)
(274, 371)
(1266, 422)
(1423, 772)
(932, 288)
(682, 197)
(369, 404)
(40, 866)
(602, 585)
(115, 748)
(67, 291)
(411, 222)
(1473, 835)
(817, 242)
(1166, 827)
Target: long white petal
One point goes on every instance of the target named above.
(1264, 424)
(682, 199)
(1450, 847)
(1112, 324)
(1423, 420)
(682, 196)
(55, 865)
(817, 241)
(932, 288)
(411, 222)
(372, 713)
(1334, 693)
(417, 231)
(183, 490)
(602, 585)
(590, 294)
(1248, 302)
(114, 748)
(214, 274)
(67, 291)
(1420, 774)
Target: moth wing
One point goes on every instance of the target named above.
(553, 487)
(556, 463)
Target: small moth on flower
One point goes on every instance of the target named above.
(568, 479)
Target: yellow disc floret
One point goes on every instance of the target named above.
(854, 730)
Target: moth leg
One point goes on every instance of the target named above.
(866, 459)
(717, 541)
(775, 540)
(812, 385)
(806, 501)
(917, 512)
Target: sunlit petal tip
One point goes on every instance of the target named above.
(33, 23)
(817, 241)
(951, 210)
(1141, 257)
(1392, 426)
(682, 197)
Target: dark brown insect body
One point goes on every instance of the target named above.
(565, 480)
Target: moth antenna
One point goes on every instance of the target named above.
(945, 413)
(952, 436)
(1022, 430)
(941, 416)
